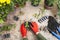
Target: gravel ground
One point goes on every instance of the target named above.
(28, 14)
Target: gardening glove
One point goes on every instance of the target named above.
(23, 32)
(34, 27)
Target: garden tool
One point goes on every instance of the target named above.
(54, 34)
(53, 27)
(34, 27)
(58, 28)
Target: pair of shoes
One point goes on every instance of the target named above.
(32, 25)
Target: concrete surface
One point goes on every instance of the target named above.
(28, 14)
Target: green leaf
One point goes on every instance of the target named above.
(1, 21)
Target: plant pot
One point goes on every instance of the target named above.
(16, 5)
(47, 6)
(19, 5)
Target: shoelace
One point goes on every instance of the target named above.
(43, 19)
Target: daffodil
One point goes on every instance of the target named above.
(8, 1)
(2, 1)
(0, 5)
(5, 8)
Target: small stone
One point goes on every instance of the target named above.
(6, 35)
(15, 18)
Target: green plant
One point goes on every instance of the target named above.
(7, 27)
(20, 3)
(35, 2)
(49, 2)
(6, 6)
(59, 13)
(58, 5)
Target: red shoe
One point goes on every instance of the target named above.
(23, 30)
(34, 27)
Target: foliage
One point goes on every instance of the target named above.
(59, 13)
(49, 2)
(20, 3)
(7, 27)
(5, 7)
(58, 5)
(35, 2)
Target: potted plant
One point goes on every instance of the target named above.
(6, 6)
(58, 5)
(19, 3)
(35, 2)
(48, 4)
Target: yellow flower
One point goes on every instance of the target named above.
(8, 1)
(2, 1)
(0, 5)
(1, 21)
